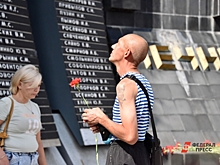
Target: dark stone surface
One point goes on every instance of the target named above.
(161, 77)
(158, 108)
(212, 106)
(168, 6)
(205, 7)
(147, 36)
(192, 159)
(203, 122)
(217, 24)
(191, 136)
(193, 7)
(213, 77)
(198, 107)
(177, 91)
(209, 159)
(195, 77)
(177, 159)
(162, 123)
(168, 106)
(125, 31)
(208, 38)
(167, 138)
(120, 18)
(215, 90)
(205, 24)
(189, 122)
(113, 34)
(180, 7)
(211, 136)
(217, 101)
(150, 36)
(217, 35)
(126, 4)
(215, 6)
(196, 37)
(218, 133)
(215, 121)
(145, 20)
(193, 23)
(151, 5)
(175, 123)
(174, 22)
(183, 106)
(201, 91)
(161, 91)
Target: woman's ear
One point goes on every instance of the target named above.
(19, 85)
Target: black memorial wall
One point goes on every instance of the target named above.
(17, 48)
(85, 53)
(71, 41)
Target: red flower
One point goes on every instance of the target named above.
(75, 82)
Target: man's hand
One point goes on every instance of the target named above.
(95, 129)
(92, 116)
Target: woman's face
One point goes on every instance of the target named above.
(27, 91)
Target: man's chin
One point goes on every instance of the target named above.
(110, 59)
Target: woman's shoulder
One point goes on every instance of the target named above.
(5, 100)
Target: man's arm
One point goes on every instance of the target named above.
(127, 131)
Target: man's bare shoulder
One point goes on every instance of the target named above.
(126, 88)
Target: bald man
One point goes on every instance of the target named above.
(130, 111)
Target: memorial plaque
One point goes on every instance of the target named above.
(85, 52)
(17, 49)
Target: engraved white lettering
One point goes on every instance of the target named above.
(103, 81)
(83, 59)
(71, 43)
(71, 6)
(7, 41)
(4, 92)
(89, 80)
(74, 29)
(6, 75)
(5, 83)
(10, 66)
(85, 45)
(8, 58)
(6, 24)
(6, 32)
(87, 66)
(82, 73)
(24, 59)
(76, 36)
(90, 10)
(83, 2)
(3, 15)
(79, 51)
(95, 39)
(6, 49)
(66, 13)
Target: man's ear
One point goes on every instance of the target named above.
(127, 53)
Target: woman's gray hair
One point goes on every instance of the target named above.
(26, 74)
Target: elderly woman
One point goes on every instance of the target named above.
(23, 145)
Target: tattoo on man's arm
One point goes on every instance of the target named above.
(121, 97)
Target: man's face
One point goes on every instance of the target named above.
(118, 50)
